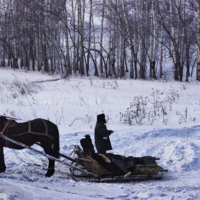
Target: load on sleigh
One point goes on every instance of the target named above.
(112, 164)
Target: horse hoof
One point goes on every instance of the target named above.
(2, 169)
(48, 175)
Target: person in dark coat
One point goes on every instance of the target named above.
(102, 140)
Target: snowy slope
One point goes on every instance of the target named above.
(73, 105)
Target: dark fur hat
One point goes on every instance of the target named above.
(101, 118)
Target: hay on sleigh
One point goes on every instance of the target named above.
(93, 166)
(140, 170)
(149, 167)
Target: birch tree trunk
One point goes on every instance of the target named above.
(198, 42)
(118, 49)
(23, 39)
(178, 41)
(68, 67)
(151, 40)
(154, 43)
(75, 48)
(50, 35)
(129, 40)
(39, 36)
(140, 34)
(113, 60)
(80, 29)
(110, 38)
(101, 36)
(174, 46)
(15, 59)
(94, 42)
(1, 48)
(44, 47)
(34, 38)
(12, 29)
(82, 37)
(182, 29)
(89, 39)
(161, 47)
(121, 54)
(184, 42)
(135, 40)
(146, 35)
(59, 39)
(78, 36)
(7, 55)
(26, 40)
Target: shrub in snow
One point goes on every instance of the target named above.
(135, 113)
(182, 116)
(21, 88)
(151, 108)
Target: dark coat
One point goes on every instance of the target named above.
(102, 140)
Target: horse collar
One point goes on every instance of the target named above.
(6, 126)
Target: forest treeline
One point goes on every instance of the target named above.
(107, 38)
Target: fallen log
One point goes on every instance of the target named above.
(49, 80)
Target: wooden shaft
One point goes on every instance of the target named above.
(62, 155)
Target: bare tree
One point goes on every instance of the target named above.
(198, 41)
(129, 40)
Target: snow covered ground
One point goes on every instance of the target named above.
(166, 125)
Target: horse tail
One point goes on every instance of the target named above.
(56, 145)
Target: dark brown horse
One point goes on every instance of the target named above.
(29, 133)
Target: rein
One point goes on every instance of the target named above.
(11, 117)
(29, 130)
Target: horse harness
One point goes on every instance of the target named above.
(29, 130)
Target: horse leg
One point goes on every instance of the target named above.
(48, 150)
(50, 170)
(2, 163)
